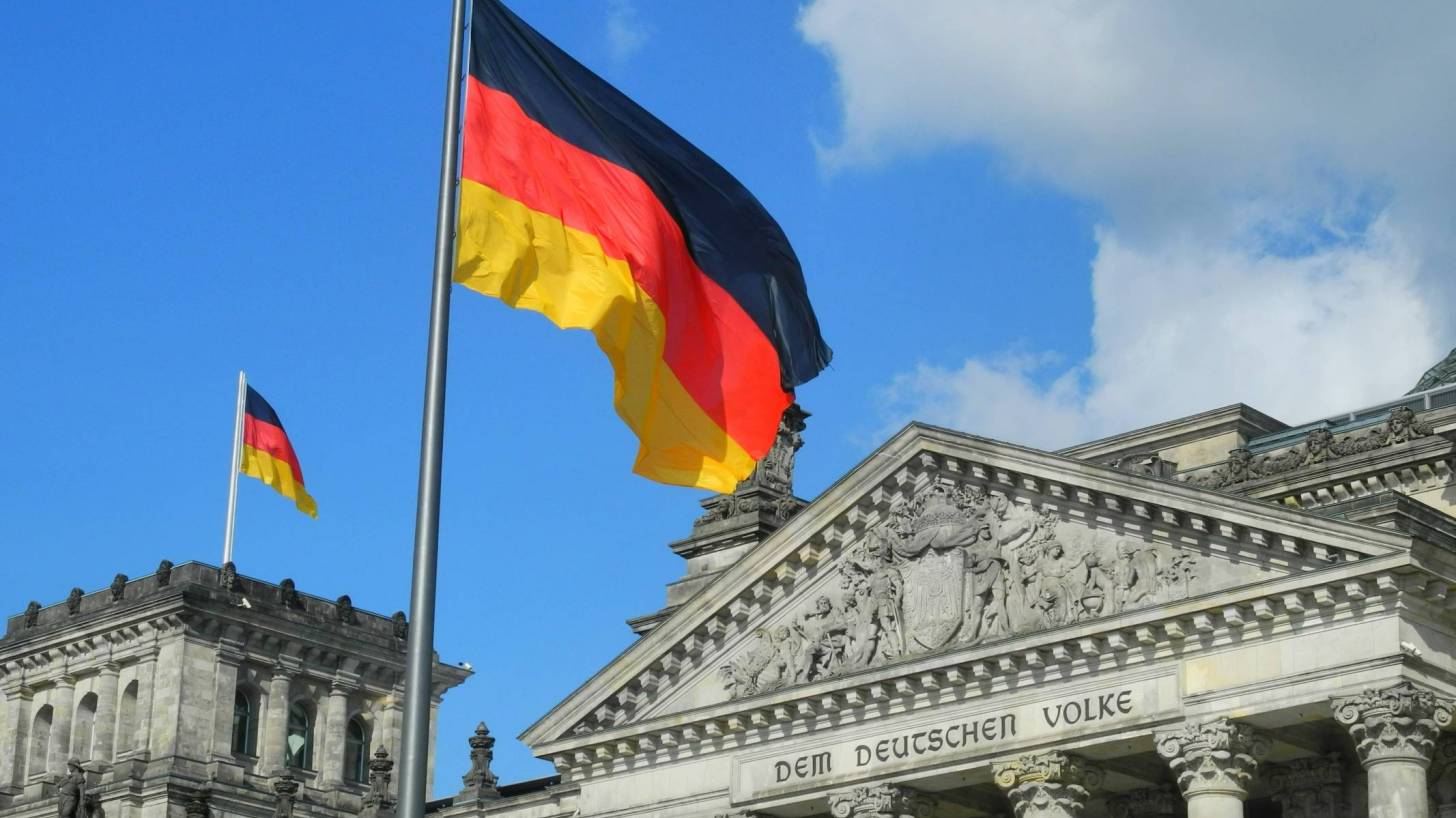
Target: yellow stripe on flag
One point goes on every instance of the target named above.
(279, 475)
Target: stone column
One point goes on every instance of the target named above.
(64, 698)
(105, 728)
(1309, 788)
(881, 801)
(14, 746)
(1149, 802)
(275, 736)
(331, 757)
(1047, 785)
(1213, 763)
(1395, 732)
(224, 698)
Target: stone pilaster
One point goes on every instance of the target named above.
(275, 736)
(225, 690)
(1309, 788)
(146, 704)
(63, 708)
(1213, 763)
(1047, 785)
(1149, 802)
(1395, 732)
(106, 692)
(881, 801)
(17, 743)
(331, 755)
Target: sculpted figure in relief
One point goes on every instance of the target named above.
(958, 566)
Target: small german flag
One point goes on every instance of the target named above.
(580, 205)
(268, 455)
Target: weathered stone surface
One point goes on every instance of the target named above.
(1309, 787)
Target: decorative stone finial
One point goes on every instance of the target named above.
(118, 587)
(73, 601)
(881, 801)
(288, 595)
(32, 614)
(197, 805)
(1052, 783)
(1308, 787)
(480, 782)
(770, 487)
(164, 573)
(1218, 756)
(1400, 722)
(285, 792)
(401, 625)
(378, 803)
(344, 611)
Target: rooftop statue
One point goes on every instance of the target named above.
(1442, 373)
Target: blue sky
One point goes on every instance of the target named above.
(192, 190)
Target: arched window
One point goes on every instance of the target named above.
(40, 741)
(298, 752)
(356, 751)
(84, 727)
(245, 723)
(126, 720)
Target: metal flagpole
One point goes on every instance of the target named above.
(232, 512)
(420, 659)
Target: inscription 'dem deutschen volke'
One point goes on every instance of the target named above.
(965, 735)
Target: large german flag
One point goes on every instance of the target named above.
(268, 453)
(578, 204)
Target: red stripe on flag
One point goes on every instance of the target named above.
(265, 437)
(715, 349)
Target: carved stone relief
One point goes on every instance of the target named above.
(957, 566)
(1319, 446)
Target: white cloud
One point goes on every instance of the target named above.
(626, 34)
(1278, 179)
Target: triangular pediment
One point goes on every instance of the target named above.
(938, 544)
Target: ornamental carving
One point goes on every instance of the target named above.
(769, 489)
(480, 781)
(1400, 722)
(1319, 446)
(1047, 784)
(1217, 756)
(881, 801)
(954, 567)
(1309, 787)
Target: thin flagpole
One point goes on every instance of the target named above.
(237, 461)
(420, 659)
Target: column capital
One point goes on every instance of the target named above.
(1148, 802)
(1052, 783)
(110, 668)
(1399, 723)
(880, 801)
(1308, 787)
(1218, 756)
(65, 680)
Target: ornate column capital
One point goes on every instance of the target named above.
(1399, 723)
(881, 801)
(1309, 787)
(1218, 756)
(1149, 802)
(1047, 784)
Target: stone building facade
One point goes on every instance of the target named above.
(197, 692)
(1216, 616)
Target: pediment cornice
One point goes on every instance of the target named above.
(616, 703)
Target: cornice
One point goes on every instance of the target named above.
(1235, 417)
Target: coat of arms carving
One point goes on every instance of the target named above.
(957, 566)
